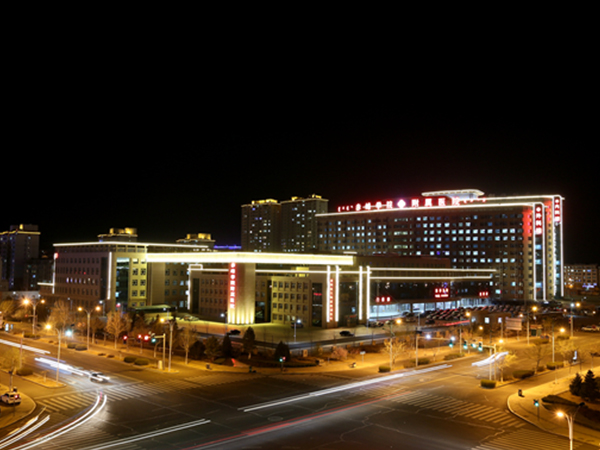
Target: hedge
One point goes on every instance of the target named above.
(555, 365)
(384, 368)
(141, 362)
(520, 374)
(129, 359)
(488, 384)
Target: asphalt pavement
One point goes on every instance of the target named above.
(368, 364)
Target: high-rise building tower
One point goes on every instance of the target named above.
(18, 247)
(289, 226)
(299, 224)
(260, 226)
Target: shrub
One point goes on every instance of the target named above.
(110, 356)
(80, 347)
(520, 374)
(71, 345)
(451, 356)
(411, 362)
(339, 353)
(141, 362)
(24, 371)
(129, 359)
(384, 368)
(488, 384)
(555, 365)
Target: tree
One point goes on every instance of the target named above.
(505, 362)
(60, 316)
(537, 353)
(395, 347)
(282, 351)
(11, 361)
(589, 387)
(575, 386)
(249, 341)
(116, 324)
(212, 347)
(197, 350)
(226, 346)
(186, 339)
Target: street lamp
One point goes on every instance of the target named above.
(170, 338)
(570, 419)
(572, 318)
(34, 304)
(88, 312)
(49, 327)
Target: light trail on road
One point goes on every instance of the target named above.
(24, 347)
(341, 388)
(90, 414)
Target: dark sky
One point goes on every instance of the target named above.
(179, 150)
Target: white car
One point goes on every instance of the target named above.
(591, 328)
(98, 376)
(11, 398)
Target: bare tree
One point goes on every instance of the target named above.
(116, 324)
(186, 339)
(395, 347)
(537, 352)
(11, 360)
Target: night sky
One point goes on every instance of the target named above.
(174, 153)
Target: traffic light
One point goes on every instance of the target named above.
(282, 359)
(451, 343)
(465, 345)
(124, 339)
(146, 338)
(536, 403)
(152, 338)
(480, 346)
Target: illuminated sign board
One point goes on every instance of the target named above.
(331, 297)
(538, 220)
(557, 211)
(427, 202)
(232, 284)
(441, 293)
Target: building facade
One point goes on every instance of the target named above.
(289, 226)
(114, 273)
(19, 248)
(322, 290)
(520, 238)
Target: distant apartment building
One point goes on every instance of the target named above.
(19, 248)
(581, 279)
(288, 226)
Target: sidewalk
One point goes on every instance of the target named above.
(9, 414)
(547, 420)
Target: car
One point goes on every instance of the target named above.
(98, 376)
(591, 328)
(12, 398)
(346, 333)
(234, 332)
(297, 325)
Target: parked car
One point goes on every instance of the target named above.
(11, 398)
(345, 333)
(234, 332)
(591, 328)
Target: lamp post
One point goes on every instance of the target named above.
(170, 339)
(570, 419)
(34, 304)
(88, 312)
(572, 318)
(49, 327)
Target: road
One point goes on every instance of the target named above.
(442, 409)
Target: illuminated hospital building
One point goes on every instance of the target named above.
(520, 238)
(365, 261)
